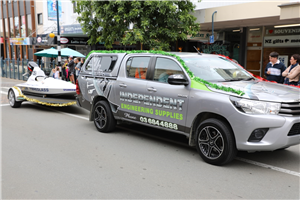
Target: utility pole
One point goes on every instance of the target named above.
(58, 37)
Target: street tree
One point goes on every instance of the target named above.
(152, 23)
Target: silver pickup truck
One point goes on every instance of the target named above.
(211, 100)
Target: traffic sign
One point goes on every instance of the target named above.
(211, 39)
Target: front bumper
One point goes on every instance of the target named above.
(277, 136)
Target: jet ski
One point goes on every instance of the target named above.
(42, 89)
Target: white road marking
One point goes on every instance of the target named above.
(73, 115)
(269, 166)
(4, 104)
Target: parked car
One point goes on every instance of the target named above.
(213, 101)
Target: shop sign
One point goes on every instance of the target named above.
(43, 40)
(282, 41)
(64, 40)
(19, 41)
(215, 49)
(283, 31)
(202, 35)
(74, 40)
(71, 29)
(254, 36)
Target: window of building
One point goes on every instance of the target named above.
(17, 27)
(12, 34)
(1, 29)
(29, 26)
(40, 18)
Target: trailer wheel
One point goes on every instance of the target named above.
(12, 99)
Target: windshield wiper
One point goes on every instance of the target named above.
(238, 79)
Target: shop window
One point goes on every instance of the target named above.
(29, 28)
(40, 18)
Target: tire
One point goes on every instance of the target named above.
(103, 117)
(215, 142)
(12, 99)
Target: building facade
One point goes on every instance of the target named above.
(249, 32)
(15, 28)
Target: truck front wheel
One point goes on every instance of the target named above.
(103, 117)
(215, 142)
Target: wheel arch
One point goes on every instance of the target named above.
(200, 118)
(16, 92)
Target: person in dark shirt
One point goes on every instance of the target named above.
(71, 69)
(274, 68)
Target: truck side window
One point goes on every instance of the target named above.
(108, 63)
(89, 66)
(164, 68)
(137, 67)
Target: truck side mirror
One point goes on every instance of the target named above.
(177, 79)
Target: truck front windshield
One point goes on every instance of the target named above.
(216, 69)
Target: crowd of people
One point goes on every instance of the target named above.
(278, 72)
(275, 70)
(69, 70)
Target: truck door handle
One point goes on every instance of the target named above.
(151, 89)
(123, 85)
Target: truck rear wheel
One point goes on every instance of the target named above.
(103, 117)
(12, 99)
(215, 142)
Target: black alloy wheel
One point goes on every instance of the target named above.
(215, 142)
(103, 117)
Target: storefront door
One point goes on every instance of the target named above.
(253, 60)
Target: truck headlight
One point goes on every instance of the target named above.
(255, 107)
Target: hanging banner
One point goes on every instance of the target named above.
(52, 13)
(20, 41)
(282, 41)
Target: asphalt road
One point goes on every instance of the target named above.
(56, 153)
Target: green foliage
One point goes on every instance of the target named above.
(155, 23)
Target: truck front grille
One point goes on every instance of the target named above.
(290, 109)
(295, 130)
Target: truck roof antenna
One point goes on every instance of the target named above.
(197, 51)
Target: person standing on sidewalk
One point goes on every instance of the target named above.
(71, 69)
(292, 73)
(274, 68)
(77, 68)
